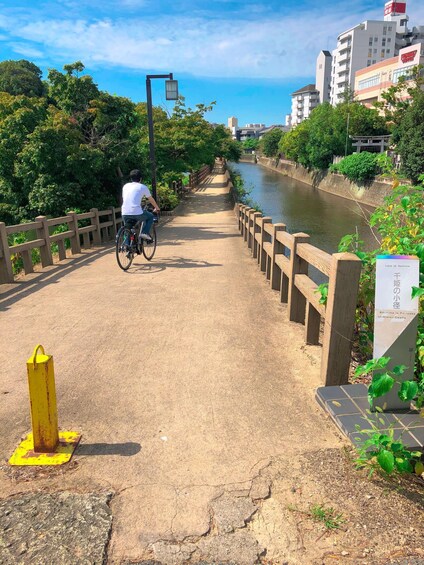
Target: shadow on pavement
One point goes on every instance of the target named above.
(174, 234)
(50, 275)
(125, 449)
(171, 263)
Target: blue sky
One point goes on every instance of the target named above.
(246, 55)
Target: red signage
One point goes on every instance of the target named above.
(392, 8)
(408, 57)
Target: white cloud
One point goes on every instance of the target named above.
(26, 50)
(282, 47)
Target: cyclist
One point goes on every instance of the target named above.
(131, 211)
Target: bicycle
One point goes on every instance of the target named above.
(129, 243)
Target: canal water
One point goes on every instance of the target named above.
(325, 217)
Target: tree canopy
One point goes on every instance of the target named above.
(66, 144)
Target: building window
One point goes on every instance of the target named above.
(403, 22)
(370, 53)
(374, 61)
(375, 39)
(368, 82)
(383, 42)
(390, 28)
(384, 30)
(370, 41)
(387, 50)
(368, 63)
(382, 54)
(404, 72)
(389, 39)
(375, 50)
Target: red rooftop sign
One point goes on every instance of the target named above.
(408, 57)
(395, 8)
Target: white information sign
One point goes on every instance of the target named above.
(396, 318)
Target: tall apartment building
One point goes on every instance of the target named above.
(304, 101)
(366, 44)
(323, 76)
(233, 126)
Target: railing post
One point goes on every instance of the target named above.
(75, 239)
(312, 325)
(112, 210)
(6, 270)
(340, 314)
(246, 223)
(256, 229)
(97, 236)
(43, 233)
(250, 216)
(265, 237)
(298, 266)
(277, 248)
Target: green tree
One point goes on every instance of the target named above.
(21, 78)
(251, 143)
(410, 138)
(269, 142)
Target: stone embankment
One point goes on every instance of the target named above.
(370, 194)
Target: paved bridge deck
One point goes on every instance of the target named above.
(183, 375)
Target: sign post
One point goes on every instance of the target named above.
(396, 319)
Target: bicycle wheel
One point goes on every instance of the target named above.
(124, 253)
(150, 248)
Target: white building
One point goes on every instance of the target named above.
(369, 43)
(233, 126)
(323, 76)
(304, 101)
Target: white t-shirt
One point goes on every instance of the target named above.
(132, 193)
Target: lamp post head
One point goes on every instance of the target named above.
(171, 87)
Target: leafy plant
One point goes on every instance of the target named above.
(168, 200)
(382, 451)
(323, 290)
(327, 515)
(358, 167)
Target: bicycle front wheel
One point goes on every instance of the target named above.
(124, 253)
(150, 248)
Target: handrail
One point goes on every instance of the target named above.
(285, 259)
(103, 227)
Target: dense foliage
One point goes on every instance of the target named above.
(66, 144)
(358, 167)
(326, 133)
(269, 142)
(399, 224)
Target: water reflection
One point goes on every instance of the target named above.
(325, 217)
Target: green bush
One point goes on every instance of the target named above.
(167, 199)
(358, 167)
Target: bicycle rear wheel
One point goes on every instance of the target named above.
(150, 248)
(124, 252)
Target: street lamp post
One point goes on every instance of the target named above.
(171, 86)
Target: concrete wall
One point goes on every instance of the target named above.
(370, 195)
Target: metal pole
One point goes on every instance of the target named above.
(151, 137)
(150, 123)
(347, 133)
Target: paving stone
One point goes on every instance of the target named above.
(54, 528)
(231, 513)
(240, 548)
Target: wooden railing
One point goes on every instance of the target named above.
(103, 226)
(285, 259)
(199, 176)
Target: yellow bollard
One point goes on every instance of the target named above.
(46, 445)
(42, 393)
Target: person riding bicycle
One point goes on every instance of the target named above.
(131, 210)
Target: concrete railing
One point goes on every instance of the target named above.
(103, 226)
(285, 259)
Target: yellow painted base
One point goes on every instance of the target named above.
(25, 455)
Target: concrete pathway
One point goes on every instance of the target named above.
(183, 375)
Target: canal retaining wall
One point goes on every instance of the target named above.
(371, 194)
